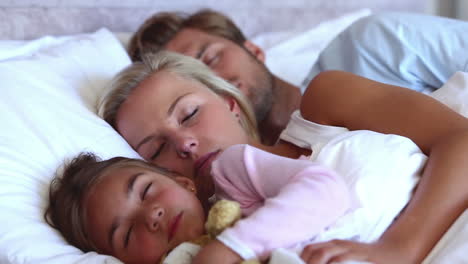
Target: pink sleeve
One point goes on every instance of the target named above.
(286, 200)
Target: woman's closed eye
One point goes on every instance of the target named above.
(158, 151)
(145, 191)
(187, 117)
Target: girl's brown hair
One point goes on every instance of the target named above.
(66, 211)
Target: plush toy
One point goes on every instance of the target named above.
(222, 215)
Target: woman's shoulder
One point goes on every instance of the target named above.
(307, 134)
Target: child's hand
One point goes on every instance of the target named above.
(217, 253)
(336, 251)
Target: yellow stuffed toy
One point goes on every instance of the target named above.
(222, 215)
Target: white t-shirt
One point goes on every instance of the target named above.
(381, 171)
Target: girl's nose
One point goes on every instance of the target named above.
(187, 147)
(154, 217)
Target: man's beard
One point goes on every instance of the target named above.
(261, 95)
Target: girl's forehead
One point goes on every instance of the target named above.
(116, 174)
(115, 179)
(124, 172)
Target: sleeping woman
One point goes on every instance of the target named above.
(160, 209)
(176, 114)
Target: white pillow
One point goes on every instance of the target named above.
(290, 55)
(49, 88)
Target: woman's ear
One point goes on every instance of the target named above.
(233, 105)
(186, 183)
(255, 50)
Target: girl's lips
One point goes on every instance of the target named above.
(205, 160)
(174, 225)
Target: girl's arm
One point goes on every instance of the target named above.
(216, 252)
(344, 99)
(286, 201)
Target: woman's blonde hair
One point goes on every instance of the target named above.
(191, 69)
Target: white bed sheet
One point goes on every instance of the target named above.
(451, 249)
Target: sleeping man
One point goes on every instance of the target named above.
(395, 48)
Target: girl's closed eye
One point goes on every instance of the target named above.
(127, 236)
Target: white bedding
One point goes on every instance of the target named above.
(49, 89)
(47, 115)
(453, 247)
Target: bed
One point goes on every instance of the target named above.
(55, 60)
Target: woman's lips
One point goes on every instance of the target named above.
(174, 225)
(205, 160)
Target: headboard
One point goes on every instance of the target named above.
(29, 19)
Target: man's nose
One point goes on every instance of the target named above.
(187, 147)
(154, 217)
(235, 82)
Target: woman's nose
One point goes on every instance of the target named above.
(154, 217)
(187, 147)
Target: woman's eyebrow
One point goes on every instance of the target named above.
(174, 104)
(144, 141)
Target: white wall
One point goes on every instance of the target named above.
(26, 19)
(449, 8)
(461, 10)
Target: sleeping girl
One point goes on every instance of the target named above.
(136, 212)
